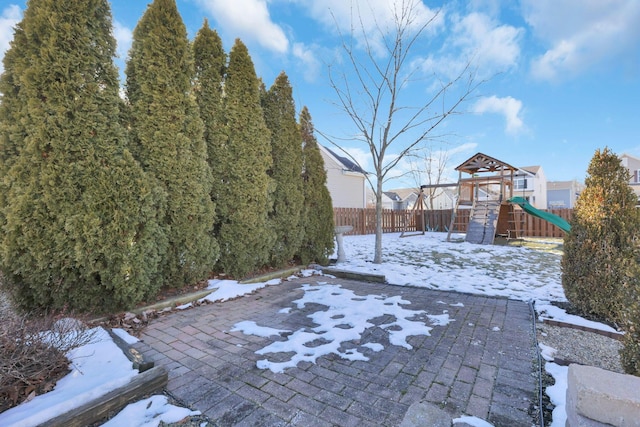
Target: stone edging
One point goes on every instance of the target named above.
(344, 274)
(194, 296)
(615, 335)
(145, 383)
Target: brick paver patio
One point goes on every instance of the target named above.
(482, 364)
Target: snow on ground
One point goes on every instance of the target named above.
(427, 261)
(345, 320)
(558, 391)
(430, 261)
(224, 290)
(124, 336)
(472, 421)
(548, 311)
(96, 369)
(148, 413)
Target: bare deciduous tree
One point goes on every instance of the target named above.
(374, 88)
(429, 167)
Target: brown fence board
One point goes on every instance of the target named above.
(363, 221)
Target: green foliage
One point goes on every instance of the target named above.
(167, 135)
(79, 214)
(210, 66)
(286, 150)
(600, 248)
(600, 271)
(12, 111)
(243, 203)
(318, 241)
(630, 322)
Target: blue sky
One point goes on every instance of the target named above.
(564, 75)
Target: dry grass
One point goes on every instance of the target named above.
(33, 354)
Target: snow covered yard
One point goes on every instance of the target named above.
(427, 261)
(430, 261)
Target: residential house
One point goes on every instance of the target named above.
(403, 198)
(632, 163)
(406, 199)
(387, 202)
(346, 180)
(435, 198)
(563, 194)
(530, 182)
(397, 204)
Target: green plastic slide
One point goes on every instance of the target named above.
(553, 219)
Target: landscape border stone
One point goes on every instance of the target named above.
(614, 335)
(139, 361)
(596, 397)
(143, 384)
(363, 277)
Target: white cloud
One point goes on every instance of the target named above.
(581, 35)
(478, 38)
(124, 37)
(248, 20)
(9, 17)
(308, 59)
(509, 107)
(369, 17)
(495, 46)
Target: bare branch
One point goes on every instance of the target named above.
(372, 88)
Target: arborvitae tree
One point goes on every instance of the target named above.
(630, 321)
(600, 247)
(80, 225)
(167, 135)
(244, 202)
(318, 241)
(286, 150)
(12, 109)
(210, 66)
(600, 267)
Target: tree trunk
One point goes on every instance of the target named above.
(377, 259)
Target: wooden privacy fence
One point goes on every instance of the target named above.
(396, 221)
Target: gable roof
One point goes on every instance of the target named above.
(629, 156)
(404, 193)
(531, 169)
(347, 163)
(480, 162)
(564, 185)
(393, 196)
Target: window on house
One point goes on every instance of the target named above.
(637, 176)
(520, 183)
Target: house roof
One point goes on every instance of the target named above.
(403, 193)
(630, 156)
(393, 196)
(563, 185)
(349, 165)
(480, 162)
(531, 169)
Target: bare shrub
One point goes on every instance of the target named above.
(33, 354)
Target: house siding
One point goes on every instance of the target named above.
(633, 165)
(347, 189)
(531, 183)
(559, 199)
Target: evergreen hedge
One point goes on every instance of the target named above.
(318, 240)
(102, 202)
(80, 227)
(210, 66)
(167, 137)
(285, 219)
(245, 200)
(601, 253)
